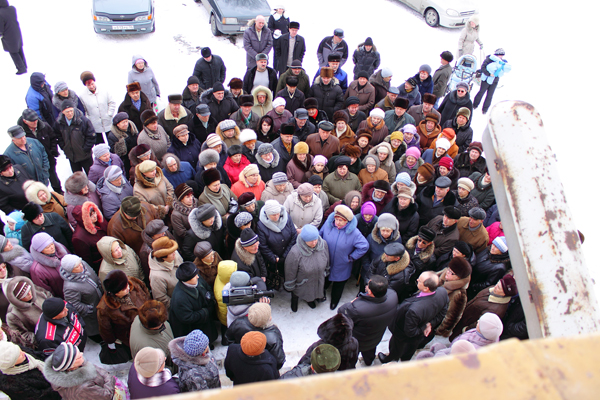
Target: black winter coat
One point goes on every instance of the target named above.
(330, 97)
(302, 133)
(76, 139)
(451, 104)
(210, 72)
(336, 331)
(10, 31)
(193, 309)
(282, 49)
(249, 80)
(190, 102)
(198, 129)
(326, 48)
(242, 325)
(276, 244)
(514, 322)
(54, 225)
(364, 60)
(398, 274)
(134, 114)
(408, 219)
(30, 385)
(415, 312)
(463, 164)
(50, 333)
(218, 110)
(487, 271)
(464, 134)
(216, 240)
(188, 152)
(256, 268)
(445, 237)
(371, 316)
(12, 195)
(427, 210)
(291, 103)
(241, 368)
(224, 178)
(45, 134)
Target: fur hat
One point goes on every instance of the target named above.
(426, 233)
(460, 266)
(53, 306)
(447, 56)
(246, 135)
(452, 212)
(340, 115)
(464, 248)
(235, 83)
(175, 98)
(401, 102)
(325, 358)
(195, 343)
(397, 135)
(246, 198)
(132, 87)
(202, 249)
(465, 112)
(234, 149)
(292, 81)
(326, 72)
(250, 169)
(286, 129)
(208, 156)
(490, 326)
(239, 279)
(466, 184)
(477, 213)
(186, 271)
(259, 314)
(86, 76)
(193, 80)
(182, 190)
(342, 160)
(344, 211)
(76, 182)
(253, 343)
(382, 185)
(153, 313)
(131, 206)
(246, 100)
(148, 361)
(351, 150)
(387, 220)
(509, 285)
(140, 150)
(31, 211)
(427, 171)
(163, 246)
(378, 112)
(148, 117)
(115, 281)
(334, 57)
(405, 192)
(261, 56)
(429, 98)
(122, 116)
(364, 132)
(442, 143)
(301, 148)
(311, 102)
(476, 146)
(265, 148)
(432, 117)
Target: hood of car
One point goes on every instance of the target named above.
(122, 7)
(458, 5)
(244, 9)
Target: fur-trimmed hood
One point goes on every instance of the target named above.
(337, 330)
(67, 379)
(32, 188)
(219, 132)
(398, 266)
(177, 352)
(50, 262)
(245, 256)
(389, 161)
(350, 226)
(199, 229)
(268, 101)
(82, 216)
(273, 163)
(10, 296)
(144, 182)
(424, 255)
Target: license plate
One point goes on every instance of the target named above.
(243, 28)
(122, 27)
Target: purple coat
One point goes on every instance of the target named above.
(138, 390)
(45, 270)
(98, 167)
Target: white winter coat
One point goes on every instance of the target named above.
(99, 108)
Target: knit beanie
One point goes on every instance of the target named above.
(195, 343)
(69, 262)
(259, 314)
(309, 233)
(368, 209)
(387, 220)
(148, 361)
(462, 346)
(239, 279)
(490, 326)
(413, 151)
(446, 162)
(21, 289)
(272, 207)
(319, 159)
(500, 243)
(40, 241)
(242, 219)
(64, 356)
(31, 211)
(442, 143)
(253, 343)
(100, 149)
(403, 178)
(52, 307)
(9, 354)
(113, 172)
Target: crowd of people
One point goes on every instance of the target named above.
(281, 182)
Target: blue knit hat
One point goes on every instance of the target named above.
(309, 233)
(195, 343)
(403, 177)
(500, 243)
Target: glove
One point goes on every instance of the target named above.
(277, 34)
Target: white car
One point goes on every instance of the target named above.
(448, 13)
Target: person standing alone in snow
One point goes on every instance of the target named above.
(492, 69)
(10, 32)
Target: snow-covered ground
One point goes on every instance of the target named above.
(548, 44)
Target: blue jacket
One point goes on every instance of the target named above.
(340, 75)
(425, 86)
(111, 201)
(39, 98)
(276, 244)
(495, 68)
(184, 174)
(34, 161)
(345, 246)
(189, 152)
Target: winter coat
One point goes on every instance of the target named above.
(306, 269)
(401, 166)
(255, 45)
(395, 123)
(271, 193)
(446, 237)
(12, 195)
(427, 209)
(138, 390)
(145, 78)
(99, 108)
(168, 121)
(381, 86)
(115, 317)
(191, 101)
(225, 269)
(376, 245)
(483, 193)
(424, 260)
(416, 112)
(50, 333)
(159, 193)
(388, 164)
(326, 48)
(135, 115)
(303, 80)
(45, 271)
(141, 337)
(478, 239)
(163, 279)
(58, 100)
(250, 75)
(18, 257)
(86, 382)
(346, 245)
(111, 201)
(468, 37)
(198, 232)
(440, 80)
(241, 368)
(44, 133)
(39, 98)
(427, 138)
(234, 170)
(219, 110)
(303, 214)
(464, 205)
(336, 331)
(129, 263)
(514, 322)
(34, 160)
(159, 145)
(484, 302)
(56, 202)
(493, 68)
(464, 134)
(185, 171)
(77, 139)
(462, 162)
(364, 60)
(98, 167)
(241, 186)
(253, 264)
(179, 219)
(84, 297)
(371, 316)
(330, 148)
(366, 95)
(122, 142)
(29, 385)
(336, 188)
(457, 301)
(414, 97)
(262, 109)
(282, 51)
(10, 31)
(242, 325)
(425, 86)
(242, 122)
(22, 316)
(195, 373)
(53, 225)
(276, 238)
(452, 103)
(297, 170)
(379, 131)
(75, 199)
(488, 269)
(268, 170)
(210, 72)
(329, 97)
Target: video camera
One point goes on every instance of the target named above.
(245, 295)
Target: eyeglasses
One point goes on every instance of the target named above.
(461, 91)
(422, 241)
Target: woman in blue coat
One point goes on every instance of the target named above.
(277, 235)
(346, 244)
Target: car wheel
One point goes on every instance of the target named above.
(432, 18)
(213, 26)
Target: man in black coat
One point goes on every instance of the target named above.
(192, 304)
(10, 32)
(249, 361)
(174, 114)
(35, 128)
(77, 137)
(333, 45)
(209, 69)
(328, 93)
(282, 48)
(12, 178)
(294, 98)
(446, 230)
(371, 312)
(251, 80)
(247, 256)
(302, 126)
(220, 102)
(432, 200)
(286, 136)
(416, 317)
(203, 123)
(134, 103)
(59, 322)
(51, 223)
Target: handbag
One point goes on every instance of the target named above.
(233, 206)
(121, 354)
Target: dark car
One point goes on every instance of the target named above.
(123, 16)
(231, 17)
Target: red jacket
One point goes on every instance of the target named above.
(233, 170)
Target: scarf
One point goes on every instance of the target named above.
(190, 285)
(375, 199)
(409, 165)
(216, 199)
(83, 276)
(30, 364)
(155, 380)
(125, 300)
(154, 135)
(113, 188)
(275, 226)
(120, 147)
(133, 224)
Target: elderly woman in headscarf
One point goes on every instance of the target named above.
(118, 255)
(137, 155)
(82, 290)
(38, 193)
(112, 189)
(304, 207)
(122, 138)
(277, 234)
(47, 254)
(184, 203)
(103, 159)
(15, 255)
(79, 190)
(152, 187)
(26, 301)
(352, 199)
(164, 261)
(91, 227)
(205, 225)
(217, 194)
(306, 266)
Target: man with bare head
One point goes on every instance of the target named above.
(257, 39)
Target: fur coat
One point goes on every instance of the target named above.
(457, 296)
(86, 382)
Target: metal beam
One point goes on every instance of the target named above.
(545, 251)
